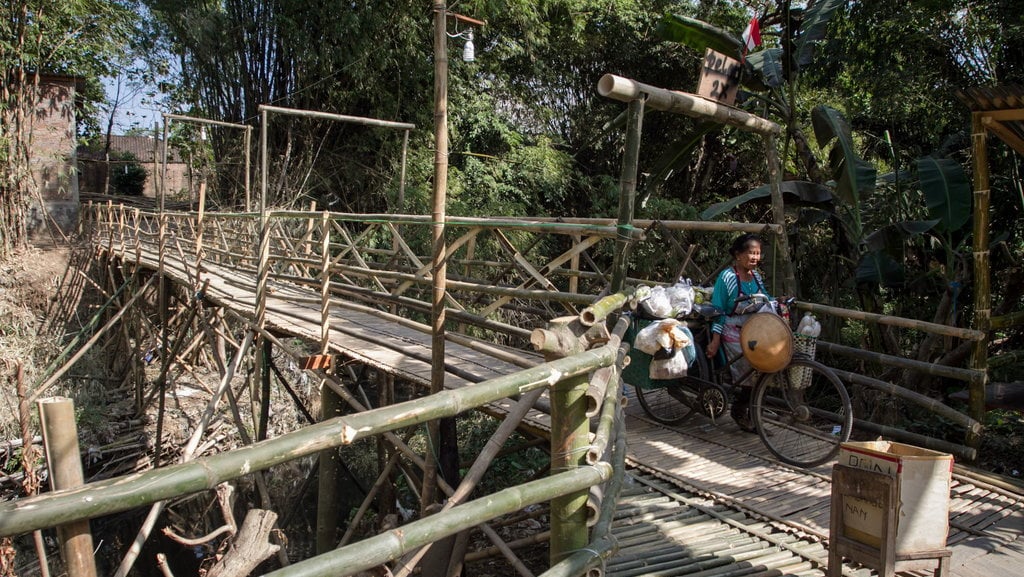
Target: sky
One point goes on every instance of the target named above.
(134, 108)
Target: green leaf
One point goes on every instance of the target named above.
(813, 28)
(854, 176)
(891, 238)
(768, 63)
(947, 193)
(678, 152)
(877, 267)
(803, 191)
(698, 35)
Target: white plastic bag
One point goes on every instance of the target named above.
(681, 297)
(672, 367)
(663, 335)
(657, 304)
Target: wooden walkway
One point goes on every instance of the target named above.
(704, 496)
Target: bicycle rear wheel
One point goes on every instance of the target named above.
(802, 413)
(677, 400)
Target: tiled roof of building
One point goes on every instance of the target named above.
(141, 147)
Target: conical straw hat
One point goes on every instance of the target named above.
(767, 342)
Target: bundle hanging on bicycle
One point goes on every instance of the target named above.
(805, 342)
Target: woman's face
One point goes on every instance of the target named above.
(749, 258)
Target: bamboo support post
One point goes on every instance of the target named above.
(569, 437)
(982, 278)
(789, 285)
(328, 509)
(627, 191)
(60, 437)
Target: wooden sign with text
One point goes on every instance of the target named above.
(719, 77)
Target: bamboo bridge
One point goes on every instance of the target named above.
(527, 342)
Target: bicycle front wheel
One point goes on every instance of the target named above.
(676, 401)
(802, 413)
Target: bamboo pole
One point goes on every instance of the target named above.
(60, 437)
(337, 117)
(29, 452)
(934, 328)
(600, 310)
(124, 493)
(438, 260)
(968, 375)
(193, 443)
(328, 510)
(627, 192)
(789, 286)
(982, 280)
(911, 396)
(382, 548)
(247, 143)
(969, 453)
(626, 90)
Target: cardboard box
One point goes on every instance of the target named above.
(923, 476)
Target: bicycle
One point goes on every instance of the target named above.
(802, 412)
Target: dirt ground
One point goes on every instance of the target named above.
(28, 283)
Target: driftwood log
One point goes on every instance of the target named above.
(250, 547)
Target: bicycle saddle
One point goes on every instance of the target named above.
(706, 311)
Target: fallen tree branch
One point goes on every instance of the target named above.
(250, 547)
(225, 492)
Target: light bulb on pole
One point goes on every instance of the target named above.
(469, 51)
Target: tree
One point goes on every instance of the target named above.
(73, 37)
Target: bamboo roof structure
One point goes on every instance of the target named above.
(1001, 109)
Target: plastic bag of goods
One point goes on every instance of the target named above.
(681, 297)
(667, 365)
(657, 305)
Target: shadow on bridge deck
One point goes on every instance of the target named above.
(720, 462)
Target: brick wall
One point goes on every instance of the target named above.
(53, 139)
(52, 154)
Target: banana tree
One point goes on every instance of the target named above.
(771, 76)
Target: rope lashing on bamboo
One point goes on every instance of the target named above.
(623, 230)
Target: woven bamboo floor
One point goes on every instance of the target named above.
(359, 336)
(720, 461)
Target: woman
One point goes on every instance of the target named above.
(732, 288)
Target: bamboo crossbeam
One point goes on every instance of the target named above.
(198, 120)
(337, 117)
(116, 495)
(914, 397)
(626, 90)
(934, 328)
(967, 375)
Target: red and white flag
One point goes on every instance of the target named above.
(752, 35)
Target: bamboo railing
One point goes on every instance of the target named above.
(507, 279)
